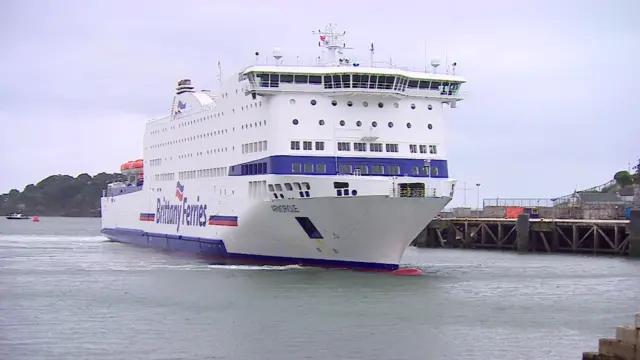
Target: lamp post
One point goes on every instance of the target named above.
(478, 204)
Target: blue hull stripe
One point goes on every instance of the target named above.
(215, 248)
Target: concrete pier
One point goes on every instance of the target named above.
(527, 234)
(625, 345)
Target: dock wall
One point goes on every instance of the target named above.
(625, 345)
(525, 234)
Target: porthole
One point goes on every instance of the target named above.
(292, 101)
(413, 106)
(313, 102)
(374, 123)
(429, 107)
(395, 105)
(342, 122)
(358, 123)
(430, 126)
(295, 121)
(334, 103)
(380, 104)
(365, 104)
(321, 122)
(354, 192)
(349, 103)
(390, 124)
(408, 125)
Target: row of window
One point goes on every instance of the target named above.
(362, 147)
(164, 177)
(296, 186)
(354, 81)
(256, 146)
(155, 162)
(307, 145)
(360, 169)
(374, 123)
(349, 103)
(413, 148)
(192, 138)
(202, 173)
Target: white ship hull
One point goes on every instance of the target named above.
(366, 232)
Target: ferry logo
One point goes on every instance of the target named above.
(179, 191)
(222, 220)
(181, 105)
(182, 213)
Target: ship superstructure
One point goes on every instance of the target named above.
(335, 164)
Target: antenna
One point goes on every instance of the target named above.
(331, 40)
(219, 73)
(446, 58)
(425, 55)
(372, 51)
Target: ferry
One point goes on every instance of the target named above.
(334, 164)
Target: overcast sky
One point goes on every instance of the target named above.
(553, 93)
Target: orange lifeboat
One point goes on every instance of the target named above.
(132, 167)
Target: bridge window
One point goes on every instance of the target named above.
(296, 168)
(286, 78)
(288, 186)
(433, 149)
(413, 148)
(278, 187)
(321, 168)
(344, 146)
(435, 171)
(423, 149)
(320, 145)
(295, 145)
(301, 79)
(308, 168)
(377, 169)
(413, 84)
(307, 145)
(359, 146)
(375, 147)
(391, 147)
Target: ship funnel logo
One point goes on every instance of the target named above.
(179, 191)
(181, 105)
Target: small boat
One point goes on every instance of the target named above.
(17, 216)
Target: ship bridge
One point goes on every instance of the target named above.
(267, 80)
